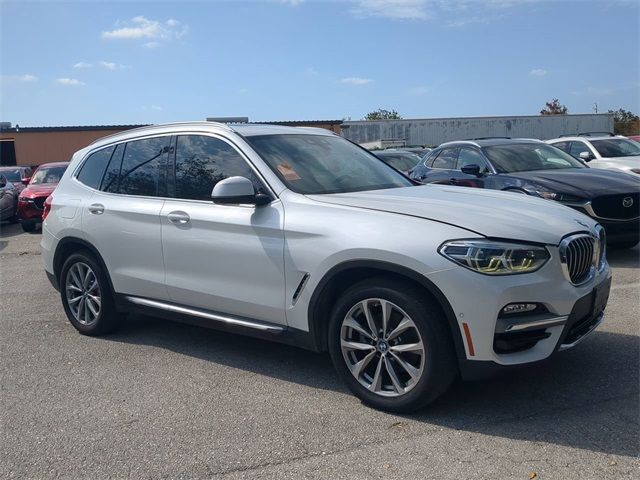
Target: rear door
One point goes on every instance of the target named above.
(441, 167)
(122, 218)
(227, 259)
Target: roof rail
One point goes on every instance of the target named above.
(488, 138)
(596, 134)
(149, 127)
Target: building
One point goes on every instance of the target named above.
(37, 145)
(434, 131)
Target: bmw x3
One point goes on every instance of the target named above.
(299, 236)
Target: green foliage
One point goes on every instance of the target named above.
(382, 114)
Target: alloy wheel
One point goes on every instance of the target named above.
(382, 347)
(83, 293)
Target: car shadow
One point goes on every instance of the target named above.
(552, 401)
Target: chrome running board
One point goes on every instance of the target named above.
(216, 317)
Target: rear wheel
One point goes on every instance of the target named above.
(391, 346)
(86, 295)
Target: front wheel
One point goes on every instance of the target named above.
(28, 227)
(391, 345)
(86, 296)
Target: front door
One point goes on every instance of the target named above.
(223, 258)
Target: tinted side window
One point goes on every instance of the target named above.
(141, 166)
(446, 159)
(469, 156)
(94, 166)
(577, 148)
(202, 161)
(564, 146)
(111, 176)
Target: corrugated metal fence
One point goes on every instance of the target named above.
(434, 131)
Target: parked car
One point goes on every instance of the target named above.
(299, 236)
(31, 199)
(602, 151)
(635, 138)
(399, 159)
(8, 199)
(534, 168)
(18, 176)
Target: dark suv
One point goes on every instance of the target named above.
(532, 167)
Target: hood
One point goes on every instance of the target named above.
(39, 190)
(582, 182)
(486, 212)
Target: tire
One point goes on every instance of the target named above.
(434, 367)
(28, 227)
(94, 313)
(624, 245)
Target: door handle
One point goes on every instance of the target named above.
(178, 217)
(453, 181)
(96, 209)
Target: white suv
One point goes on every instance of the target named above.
(602, 151)
(299, 236)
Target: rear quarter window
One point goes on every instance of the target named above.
(92, 170)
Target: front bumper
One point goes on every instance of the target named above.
(569, 314)
(28, 212)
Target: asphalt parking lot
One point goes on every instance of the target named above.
(164, 400)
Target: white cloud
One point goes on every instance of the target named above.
(69, 82)
(111, 65)
(142, 28)
(293, 3)
(24, 78)
(398, 9)
(83, 65)
(538, 72)
(355, 81)
(311, 72)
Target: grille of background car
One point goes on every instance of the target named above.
(612, 206)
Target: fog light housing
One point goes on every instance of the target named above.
(515, 308)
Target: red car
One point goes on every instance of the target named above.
(31, 199)
(635, 138)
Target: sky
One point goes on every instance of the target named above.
(100, 63)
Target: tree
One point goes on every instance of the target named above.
(554, 107)
(382, 114)
(625, 122)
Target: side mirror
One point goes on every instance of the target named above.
(472, 169)
(25, 181)
(236, 190)
(586, 156)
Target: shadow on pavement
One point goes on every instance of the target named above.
(592, 388)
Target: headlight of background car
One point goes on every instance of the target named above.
(559, 197)
(495, 258)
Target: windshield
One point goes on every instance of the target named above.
(47, 175)
(616, 147)
(313, 164)
(523, 157)
(402, 161)
(12, 175)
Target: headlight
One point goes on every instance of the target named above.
(495, 258)
(559, 197)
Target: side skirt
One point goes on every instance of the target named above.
(216, 321)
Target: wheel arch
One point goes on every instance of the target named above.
(346, 273)
(68, 246)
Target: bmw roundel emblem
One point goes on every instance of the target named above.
(627, 202)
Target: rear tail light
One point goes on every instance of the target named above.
(47, 207)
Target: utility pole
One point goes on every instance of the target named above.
(595, 107)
